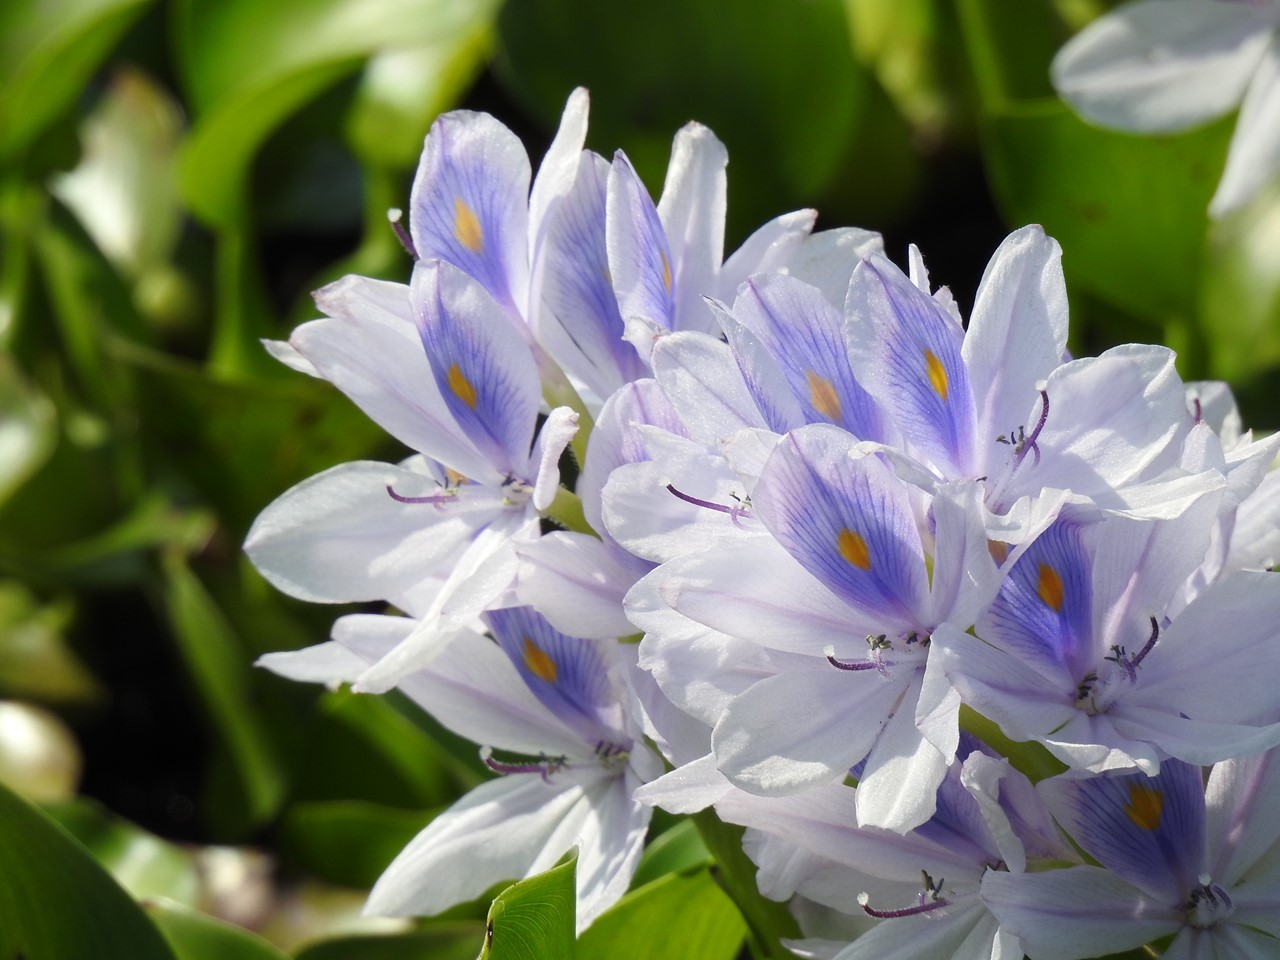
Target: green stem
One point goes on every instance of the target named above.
(768, 921)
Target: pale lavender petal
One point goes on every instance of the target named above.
(692, 211)
(1243, 817)
(899, 785)
(1017, 332)
(505, 829)
(639, 257)
(903, 345)
(579, 322)
(1253, 159)
(559, 167)
(578, 583)
(964, 933)
(288, 354)
(686, 789)
(482, 367)
(698, 374)
(802, 333)
(827, 259)
(1162, 65)
(559, 428)
(340, 536)
(768, 248)
(609, 846)
(800, 729)
(470, 204)
(1076, 913)
(762, 373)
(965, 577)
(329, 663)
(848, 521)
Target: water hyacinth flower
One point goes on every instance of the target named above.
(1158, 66)
(559, 710)
(1177, 857)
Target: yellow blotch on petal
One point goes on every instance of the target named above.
(666, 271)
(1145, 806)
(461, 386)
(854, 549)
(823, 396)
(539, 662)
(1049, 586)
(937, 373)
(466, 226)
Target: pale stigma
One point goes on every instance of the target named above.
(466, 226)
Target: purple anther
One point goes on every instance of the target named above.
(734, 512)
(438, 500)
(1199, 410)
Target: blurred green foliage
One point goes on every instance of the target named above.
(176, 176)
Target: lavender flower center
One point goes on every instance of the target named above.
(1208, 904)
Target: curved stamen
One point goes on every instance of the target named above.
(1155, 634)
(875, 659)
(741, 509)
(927, 900)
(1130, 664)
(436, 499)
(1199, 410)
(544, 766)
(394, 215)
(1029, 442)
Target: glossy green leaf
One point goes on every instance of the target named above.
(534, 919)
(249, 65)
(1240, 309)
(676, 916)
(1129, 211)
(196, 936)
(141, 862)
(56, 901)
(445, 940)
(48, 49)
(348, 841)
(678, 850)
(219, 668)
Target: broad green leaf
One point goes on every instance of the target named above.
(678, 850)
(1129, 211)
(216, 662)
(48, 50)
(778, 83)
(141, 862)
(534, 919)
(348, 841)
(447, 940)
(1010, 44)
(196, 936)
(56, 901)
(39, 757)
(248, 65)
(676, 916)
(1240, 308)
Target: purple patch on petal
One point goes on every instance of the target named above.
(1149, 830)
(639, 255)
(470, 204)
(848, 521)
(1043, 612)
(481, 364)
(567, 674)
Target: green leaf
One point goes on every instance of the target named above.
(218, 666)
(196, 936)
(447, 940)
(1129, 211)
(1010, 45)
(534, 919)
(678, 850)
(676, 916)
(249, 65)
(48, 50)
(27, 421)
(56, 901)
(141, 862)
(348, 841)
(35, 661)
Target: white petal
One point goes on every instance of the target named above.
(609, 846)
(578, 583)
(1254, 157)
(827, 259)
(560, 427)
(701, 379)
(1162, 65)
(766, 249)
(329, 663)
(284, 351)
(899, 787)
(686, 789)
(559, 167)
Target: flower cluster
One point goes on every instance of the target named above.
(824, 533)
